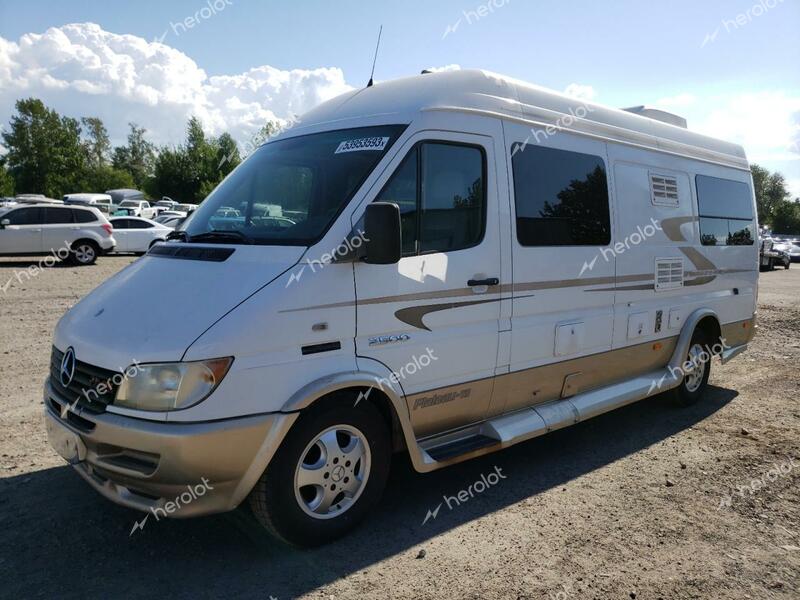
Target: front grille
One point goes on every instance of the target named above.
(85, 386)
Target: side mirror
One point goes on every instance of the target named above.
(5, 223)
(382, 238)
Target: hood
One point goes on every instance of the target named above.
(156, 307)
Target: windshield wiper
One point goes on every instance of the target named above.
(215, 235)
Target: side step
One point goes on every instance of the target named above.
(510, 429)
(460, 446)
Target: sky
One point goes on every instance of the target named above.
(731, 67)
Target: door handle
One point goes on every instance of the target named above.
(489, 281)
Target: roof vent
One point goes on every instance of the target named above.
(657, 115)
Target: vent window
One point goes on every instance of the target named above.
(664, 190)
(669, 273)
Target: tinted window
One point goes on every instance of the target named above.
(55, 216)
(561, 197)
(136, 224)
(119, 223)
(440, 190)
(726, 212)
(723, 198)
(26, 216)
(84, 216)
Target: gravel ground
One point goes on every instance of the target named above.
(648, 502)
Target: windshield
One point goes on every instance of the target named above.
(290, 191)
(133, 203)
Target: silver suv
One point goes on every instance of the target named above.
(75, 232)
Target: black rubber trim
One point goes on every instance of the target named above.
(191, 252)
(317, 348)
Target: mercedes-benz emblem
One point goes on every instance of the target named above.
(67, 371)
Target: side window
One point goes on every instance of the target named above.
(440, 189)
(84, 216)
(119, 223)
(57, 216)
(137, 224)
(726, 212)
(561, 197)
(26, 216)
(402, 190)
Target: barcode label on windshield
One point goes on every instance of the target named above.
(371, 143)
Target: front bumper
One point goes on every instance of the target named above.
(148, 465)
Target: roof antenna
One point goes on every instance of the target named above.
(374, 60)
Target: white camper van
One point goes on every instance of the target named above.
(446, 265)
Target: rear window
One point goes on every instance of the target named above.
(726, 212)
(57, 216)
(84, 216)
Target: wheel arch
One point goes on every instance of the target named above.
(705, 319)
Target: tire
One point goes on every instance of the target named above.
(323, 439)
(787, 264)
(84, 253)
(695, 382)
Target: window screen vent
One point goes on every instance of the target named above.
(664, 190)
(669, 273)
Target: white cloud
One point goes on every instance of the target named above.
(444, 68)
(766, 123)
(82, 70)
(580, 91)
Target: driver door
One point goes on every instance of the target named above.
(24, 233)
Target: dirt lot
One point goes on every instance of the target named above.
(630, 505)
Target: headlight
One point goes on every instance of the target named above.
(170, 386)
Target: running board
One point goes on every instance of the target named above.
(507, 430)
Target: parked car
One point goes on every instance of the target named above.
(118, 196)
(80, 233)
(792, 247)
(171, 221)
(140, 208)
(484, 292)
(99, 201)
(185, 208)
(784, 250)
(769, 256)
(35, 199)
(137, 235)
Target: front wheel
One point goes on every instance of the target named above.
(327, 474)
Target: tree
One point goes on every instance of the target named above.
(189, 172)
(137, 157)
(98, 145)
(786, 218)
(6, 182)
(770, 190)
(45, 153)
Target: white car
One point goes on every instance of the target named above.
(137, 235)
(80, 233)
(171, 221)
(101, 201)
(140, 208)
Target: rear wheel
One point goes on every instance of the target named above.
(84, 252)
(327, 474)
(696, 369)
